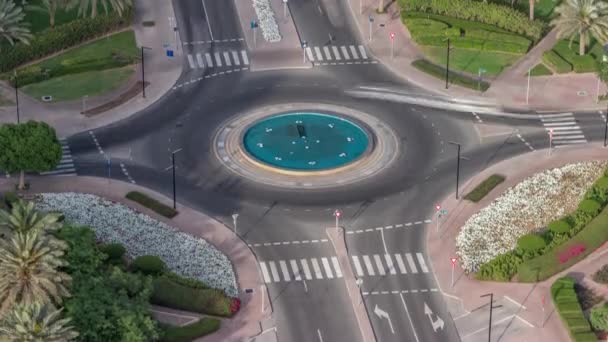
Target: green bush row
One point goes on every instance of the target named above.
(496, 36)
(585, 63)
(190, 332)
(453, 22)
(148, 265)
(439, 72)
(62, 37)
(555, 61)
(472, 43)
(484, 188)
(173, 295)
(567, 305)
(152, 204)
(501, 16)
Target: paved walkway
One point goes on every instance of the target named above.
(571, 92)
(527, 297)
(160, 71)
(254, 308)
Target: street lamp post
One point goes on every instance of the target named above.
(337, 214)
(370, 20)
(173, 171)
(447, 69)
(143, 72)
(457, 166)
(392, 45)
(491, 295)
(304, 46)
(528, 87)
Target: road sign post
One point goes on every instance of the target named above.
(254, 25)
(370, 19)
(304, 46)
(438, 209)
(481, 71)
(392, 45)
(542, 323)
(337, 214)
(453, 260)
(285, 8)
(234, 217)
(528, 87)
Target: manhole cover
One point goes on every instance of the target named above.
(581, 93)
(47, 98)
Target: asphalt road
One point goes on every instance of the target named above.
(288, 226)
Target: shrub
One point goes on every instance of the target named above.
(10, 198)
(501, 16)
(173, 295)
(484, 188)
(439, 72)
(114, 251)
(589, 207)
(599, 317)
(531, 243)
(428, 27)
(559, 227)
(152, 204)
(501, 268)
(556, 62)
(190, 332)
(601, 276)
(599, 191)
(189, 282)
(149, 265)
(62, 37)
(564, 297)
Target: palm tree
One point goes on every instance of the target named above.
(582, 18)
(532, 3)
(51, 7)
(36, 322)
(83, 6)
(23, 217)
(12, 27)
(29, 270)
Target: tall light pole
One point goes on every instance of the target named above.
(337, 214)
(392, 45)
(447, 71)
(172, 167)
(304, 46)
(457, 166)
(528, 87)
(491, 295)
(605, 127)
(143, 72)
(370, 20)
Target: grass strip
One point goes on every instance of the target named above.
(540, 70)
(454, 78)
(484, 188)
(190, 332)
(152, 204)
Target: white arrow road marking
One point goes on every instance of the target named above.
(383, 314)
(437, 324)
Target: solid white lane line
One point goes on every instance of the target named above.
(368, 265)
(334, 261)
(318, 52)
(336, 52)
(327, 268)
(307, 273)
(207, 17)
(358, 267)
(245, 58)
(409, 317)
(199, 59)
(362, 51)
(327, 53)
(389, 262)
(274, 271)
(354, 52)
(218, 59)
(191, 62)
(311, 58)
(411, 263)
(316, 268)
(209, 61)
(284, 270)
(422, 263)
(379, 264)
(400, 263)
(227, 58)
(345, 52)
(265, 273)
(295, 270)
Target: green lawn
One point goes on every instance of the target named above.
(75, 86)
(540, 70)
(472, 60)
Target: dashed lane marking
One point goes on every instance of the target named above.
(373, 293)
(525, 142)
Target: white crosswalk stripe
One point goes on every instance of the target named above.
(422, 263)
(318, 52)
(327, 268)
(199, 59)
(284, 270)
(327, 53)
(191, 62)
(389, 263)
(306, 270)
(235, 56)
(379, 264)
(411, 263)
(368, 265)
(316, 268)
(337, 268)
(265, 273)
(295, 269)
(245, 58)
(336, 52)
(345, 52)
(66, 164)
(227, 58)
(353, 50)
(208, 59)
(309, 54)
(565, 130)
(358, 267)
(218, 59)
(274, 271)
(362, 51)
(400, 263)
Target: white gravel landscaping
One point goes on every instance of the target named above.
(142, 235)
(266, 20)
(524, 208)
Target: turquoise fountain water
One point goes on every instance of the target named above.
(306, 141)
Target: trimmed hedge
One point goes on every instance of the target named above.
(556, 62)
(567, 305)
(590, 207)
(484, 188)
(115, 251)
(540, 70)
(439, 72)
(501, 16)
(152, 204)
(190, 332)
(531, 243)
(62, 37)
(585, 63)
(207, 301)
(149, 265)
(189, 282)
(559, 227)
(591, 237)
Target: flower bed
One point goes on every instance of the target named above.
(141, 235)
(524, 208)
(265, 14)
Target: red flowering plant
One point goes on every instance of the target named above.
(572, 252)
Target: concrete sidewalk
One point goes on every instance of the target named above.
(527, 298)
(160, 71)
(254, 308)
(569, 92)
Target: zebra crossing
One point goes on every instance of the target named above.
(66, 164)
(218, 59)
(329, 268)
(317, 54)
(564, 128)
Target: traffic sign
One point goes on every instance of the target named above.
(443, 211)
(392, 36)
(370, 18)
(337, 213)
(437, 207)
(169, 53)
(453, 260)
(254, 24)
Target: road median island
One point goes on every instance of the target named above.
(338, 239)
